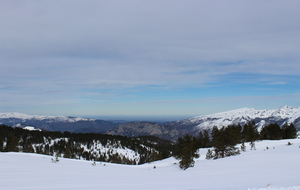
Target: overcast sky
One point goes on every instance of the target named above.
(148, 57)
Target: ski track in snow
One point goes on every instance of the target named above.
(274, 168)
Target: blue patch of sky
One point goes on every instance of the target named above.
(190, 72)
(8, 88)
(263, 82)
(231, 85)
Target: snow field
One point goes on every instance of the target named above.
(275, 168)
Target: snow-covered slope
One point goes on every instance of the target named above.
(30, 128)
(27, 127)
(242, 116)
(276, 168)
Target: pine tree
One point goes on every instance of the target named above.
(224, 141)
(67, 153)
(209, 154)
(11, 144)
(289, 131)
(186, 151)
(271, 132)
(200, 139)
(249, 132)
(203, 139)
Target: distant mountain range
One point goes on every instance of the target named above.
(57, 123)
(170, 130)
(264, 117)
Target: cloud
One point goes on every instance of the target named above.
(200, 31)
(75, 47)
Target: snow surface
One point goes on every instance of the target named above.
(30, 128)
(26, 127)
(275, 168)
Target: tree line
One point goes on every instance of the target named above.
(224, 140)
(87, 146)
(147, 148)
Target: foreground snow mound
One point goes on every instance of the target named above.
(274, 165)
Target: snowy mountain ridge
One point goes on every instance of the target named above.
(39, 117)
(283, 115)
(283, 112)
(56, 123)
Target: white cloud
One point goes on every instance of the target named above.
(69, 46)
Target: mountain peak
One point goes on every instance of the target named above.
(285, 111)
(286, 107)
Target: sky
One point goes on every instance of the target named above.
(148, 57)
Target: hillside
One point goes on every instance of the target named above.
(276, 168)
(133, 129)
(280, 116)
(88, 146)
